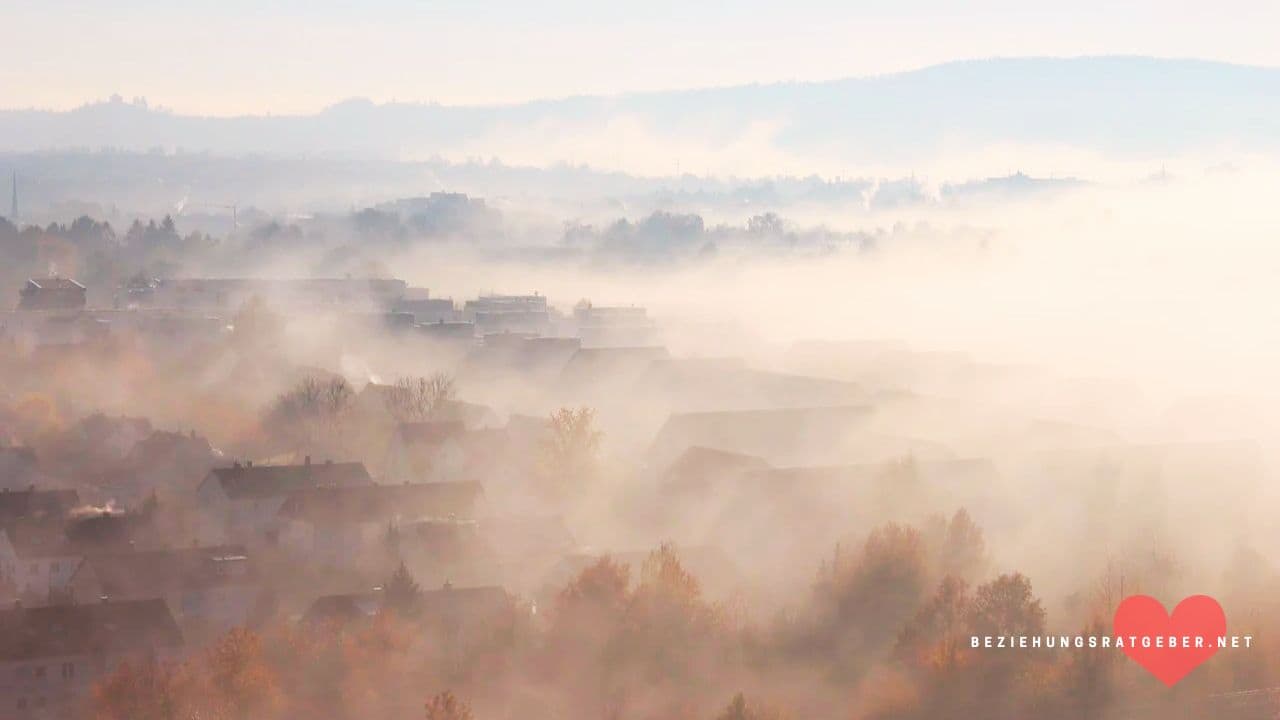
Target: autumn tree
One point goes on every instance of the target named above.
(243, 684)
(669, 627)
(140, 691)
(420, 399)
(1006, 606)
(232, 679)
(1089, 682)
(958, 546)
(1008, 681)
(936, 634)
(588, 610)
(862, 599)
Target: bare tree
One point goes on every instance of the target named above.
(311, 415)
(418, 399)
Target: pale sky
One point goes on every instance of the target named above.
(295, 56)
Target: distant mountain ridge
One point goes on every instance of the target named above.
(1114, 104)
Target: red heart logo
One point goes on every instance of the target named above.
(1194, 628)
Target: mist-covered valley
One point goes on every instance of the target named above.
(288, 432)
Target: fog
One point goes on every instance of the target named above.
(864, 401)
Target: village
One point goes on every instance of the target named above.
(174, 472)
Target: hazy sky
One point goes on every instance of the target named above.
(244, 56)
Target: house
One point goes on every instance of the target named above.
(459, 617)
(50, 657)
(343, 609)
(36, 559)
(214, 588)
(427, 309)
(540, 359)
(52, 293)
(241, 502)
(229, 293)
(463, 333)
(590, 366)
(339, 526)
(33, 504)
(164, 461)
(425, 451)
(40, 554)
(454, 616)
(699, 470)
(613, 326)
(509, 313)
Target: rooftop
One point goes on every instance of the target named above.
(263, 481)
(62, 630)
(382, 503)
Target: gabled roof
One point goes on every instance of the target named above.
(475, 601)
(382, 503)
(53, 283)
(698, 462)
(35, 504)
(447, 603)
(343, 608)
(67, 537)
(263, 481)
(154, 573)
(612, 362)
(61, 630)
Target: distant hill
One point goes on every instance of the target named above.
(1113, 104)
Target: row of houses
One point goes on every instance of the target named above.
(194, 305)
(94, 587)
